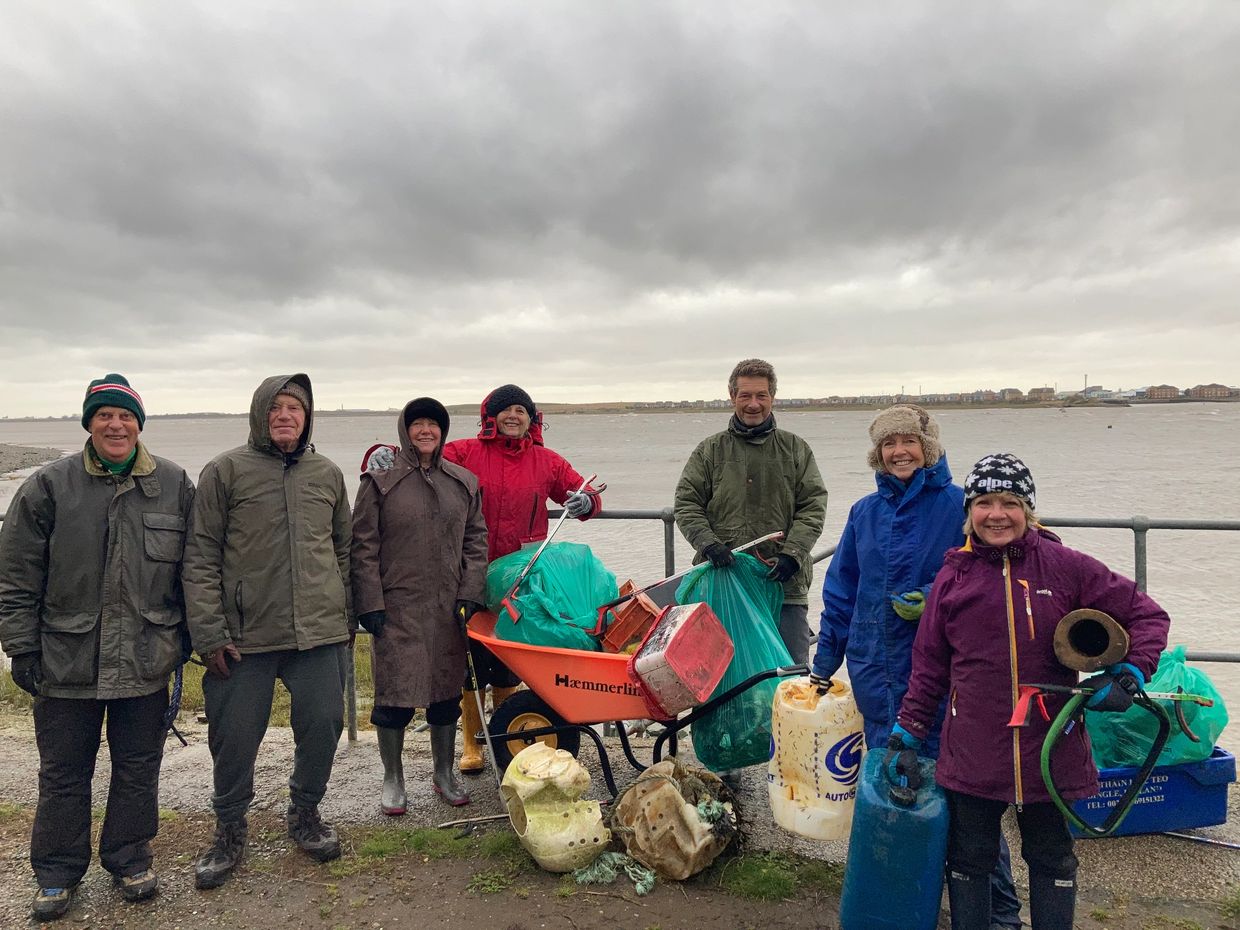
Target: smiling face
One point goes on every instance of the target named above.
(424, 436)
(753, 400)
(998, 519)
(513, 421)
(286, 418)
(902, 455)
(113, 433)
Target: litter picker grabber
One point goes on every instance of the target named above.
(507, 603)
(1073, 714)
(607, 608)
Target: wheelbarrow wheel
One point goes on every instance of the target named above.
(525, 710)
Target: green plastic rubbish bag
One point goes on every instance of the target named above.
(738, 733)
(1125, 739)
(558, 598)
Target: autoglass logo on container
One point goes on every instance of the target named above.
(843, 759)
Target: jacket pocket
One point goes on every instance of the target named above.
(70, 647)
(160, 645)
(163, 544)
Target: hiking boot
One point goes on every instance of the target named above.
(222, 856)
(137, 887)
(307, 829)
(51, 903)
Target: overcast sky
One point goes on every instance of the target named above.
(604, 201)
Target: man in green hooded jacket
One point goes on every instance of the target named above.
(92, 616)
(267, 592)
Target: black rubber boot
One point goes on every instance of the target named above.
(1052, 901)
(969, 896)
(392, 800)
(443, 754)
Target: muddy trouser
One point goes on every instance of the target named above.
(491, 671)
(438, 714)
(237, 712)
(974, 832)
(68, 732)
(794, 631)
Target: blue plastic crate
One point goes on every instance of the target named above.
(1175, 797)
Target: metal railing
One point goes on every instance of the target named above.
(1139, 525)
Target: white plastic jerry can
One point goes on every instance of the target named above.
(817, 743)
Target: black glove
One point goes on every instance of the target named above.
(463, 610)
(901, 765)
(823, 685)
(27, 672)
(1114, 688)
(718, 555)
(373, 622)
(784, 568)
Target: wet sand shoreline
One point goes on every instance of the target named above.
(15, 458)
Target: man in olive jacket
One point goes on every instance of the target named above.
(267, 591)
(750, 480)
(92, 615)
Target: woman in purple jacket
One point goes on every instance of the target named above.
(988, 627)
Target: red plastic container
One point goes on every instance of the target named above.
(682, 658)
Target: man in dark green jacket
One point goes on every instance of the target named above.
(750, 480)
(92, 615)
(267, 591)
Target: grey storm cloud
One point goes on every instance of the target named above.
(615, 200)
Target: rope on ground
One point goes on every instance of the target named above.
(607, 867)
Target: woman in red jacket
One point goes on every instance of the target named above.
(989, 625)
(517, 474)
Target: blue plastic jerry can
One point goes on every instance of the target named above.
(896, 852)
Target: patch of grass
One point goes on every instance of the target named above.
(1100, 914)
(506, 847)
(1230, 905)
(10, 811)
(766, 876)
(167, 815)
(12, 695)
(820, 877)
(96, 814)
(490, 881)
(567, 887)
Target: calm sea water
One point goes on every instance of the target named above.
(1162, 461)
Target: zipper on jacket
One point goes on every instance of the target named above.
(238, 602)
(1011, 616)
(533, 516)
(953, 702)
(1028, 606)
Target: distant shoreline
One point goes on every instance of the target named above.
(691, 407)
(15, 458)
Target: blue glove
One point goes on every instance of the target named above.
(579, 504)
(1114, 688)
(901, 765)
(909, 606)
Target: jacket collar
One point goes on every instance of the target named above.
(937, 475)
(142, 471)
(755, 434)
(1015, 551)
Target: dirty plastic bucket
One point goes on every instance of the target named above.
(682, 659)
(816, 747)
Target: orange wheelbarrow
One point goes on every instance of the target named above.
(571, 690)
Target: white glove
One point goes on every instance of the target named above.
(381, 459)
(579, 504)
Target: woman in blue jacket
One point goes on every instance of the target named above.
(880, 576)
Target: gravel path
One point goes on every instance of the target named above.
(1161, 872)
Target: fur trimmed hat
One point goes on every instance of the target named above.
(112, 391)
(908, 420)
(1000, 473)
(505, 396)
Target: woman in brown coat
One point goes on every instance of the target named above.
(419, 572)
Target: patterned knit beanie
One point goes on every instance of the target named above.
(112, 391)
(293, 389)
(505, 396)
(1000, 473)
(908, 420)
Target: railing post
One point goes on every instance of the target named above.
(669, 542)
(1140, 544)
